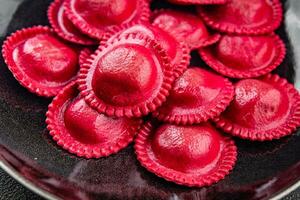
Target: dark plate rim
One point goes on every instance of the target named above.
(47, 190)
(25, 182)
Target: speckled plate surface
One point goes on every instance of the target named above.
(263, 170)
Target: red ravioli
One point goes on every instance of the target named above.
(244, 17)
(195, 155)
(40, 61)
(198, 95)
(96, 17)
(263, 109)
(198, 2)
(185, 27)
(178, 52)
(64, 27)
(83, 131)
(128, 76)
(245, 56)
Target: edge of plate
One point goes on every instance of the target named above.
(45, 194)
(22, 180)
(286, 191)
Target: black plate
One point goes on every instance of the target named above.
(27, 152)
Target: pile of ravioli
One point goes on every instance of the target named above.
(120, 72)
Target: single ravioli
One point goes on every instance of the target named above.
(83, 131)
(40, 61)
(263, 109)
(193, 156)
(253, 17)
(129, 76)
(244, 56)
(95, 17)
(196, 96)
